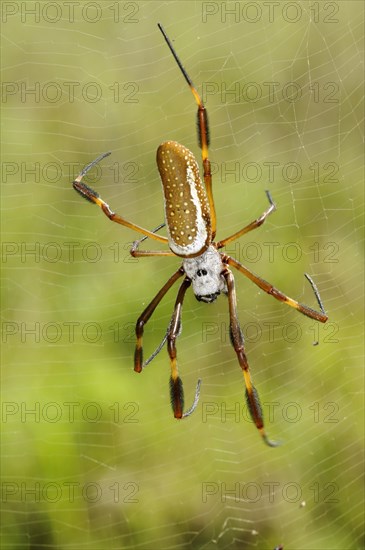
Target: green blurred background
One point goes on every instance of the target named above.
(100, 462)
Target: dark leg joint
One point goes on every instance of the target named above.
(277, 294)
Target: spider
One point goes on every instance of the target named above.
(190, 221)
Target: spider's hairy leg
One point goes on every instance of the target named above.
(84, 190)
(176, 385)
(202, 116)
(86, 169)
(92, 196)
(253, 225)
(145, 316)
(252, 397)
(278, 295)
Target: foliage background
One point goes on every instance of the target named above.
(138, 476)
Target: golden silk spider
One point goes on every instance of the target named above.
(190, 221)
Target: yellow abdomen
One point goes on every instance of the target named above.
(186, 205)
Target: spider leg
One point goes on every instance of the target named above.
(157, 350)
(136, 253)
(145, 316)
(176, 385)
(89, 194)
(203, 132)
(236, 335)
(278, 295)
(256, 223)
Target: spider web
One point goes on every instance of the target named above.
(92, 457)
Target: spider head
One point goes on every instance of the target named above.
(204, 271)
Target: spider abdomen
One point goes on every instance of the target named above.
(187, 212)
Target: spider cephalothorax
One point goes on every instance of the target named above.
(205, 273)
(191, 227)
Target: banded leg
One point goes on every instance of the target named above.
(176, 385)
(256, 223)
(92, 196)
(145, 316)
(278, 295)
(236, 335)
(203, 132)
